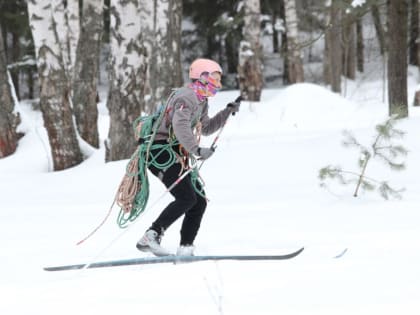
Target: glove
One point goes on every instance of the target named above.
(233, 107)
(205, 153)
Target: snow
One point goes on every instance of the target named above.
(264, 199)
(357, 3)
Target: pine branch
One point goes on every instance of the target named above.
(350, 140)
(381, 148)
(386, 191)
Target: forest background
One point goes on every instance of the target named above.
(58, 53)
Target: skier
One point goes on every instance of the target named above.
(186, 109)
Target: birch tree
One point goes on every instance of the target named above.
(295, 67)
(85, 82)
(127, 75)
(397, 57)
(54, 84)
(8, 118)
(161, 28)
(67, 25)
(250, 63)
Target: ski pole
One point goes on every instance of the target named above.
(213, 145)
(180, 178)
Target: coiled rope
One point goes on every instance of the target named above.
(134, 189)
(133, 192)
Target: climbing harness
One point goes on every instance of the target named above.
(134, 190)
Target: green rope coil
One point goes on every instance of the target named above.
(197, 182)
(149, 126)
(142, 196)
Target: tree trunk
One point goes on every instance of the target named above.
(15, 56)
(8, 118)
(128, 65)
(417, 98)
(85, 86)
(174, 44)
(295, 71)
(54, 85)
(333, 56)
(163, 37)
(397, 57)
(30, 83)
(231, 44)
(417, 93)
(67, 23)
(326, 67)
(380, 33)
(360, 45)
(276, 48)
(418, 39)
(73, 32)
(414, 33)
(349, 44)
(250, 63)
(284, 45)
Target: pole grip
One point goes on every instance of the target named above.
(238, 100)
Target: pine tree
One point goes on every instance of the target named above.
(333, 49)
(397, 57)
(19, 46)
(349, 45)
(382, 148)
(377, 22)
(417, 93)
(221, 40)
(8, 118)
(414, 43)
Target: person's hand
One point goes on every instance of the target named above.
(205, 153)
(233, 107)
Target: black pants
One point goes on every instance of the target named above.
(187, 201)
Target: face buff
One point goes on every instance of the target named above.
(207, 85)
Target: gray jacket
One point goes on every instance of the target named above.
(183, 112)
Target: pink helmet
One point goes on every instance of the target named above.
(203, 65)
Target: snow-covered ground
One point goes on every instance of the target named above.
(264, 199)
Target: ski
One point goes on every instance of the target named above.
(172, 259)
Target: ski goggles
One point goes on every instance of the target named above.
(213, 83)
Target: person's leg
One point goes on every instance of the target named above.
(192, 221)
(185, 198)
(183, 192)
